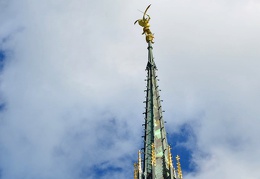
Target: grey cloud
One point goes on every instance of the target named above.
(73, 82)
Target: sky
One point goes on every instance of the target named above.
(72, 86)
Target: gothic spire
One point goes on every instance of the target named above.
(156, 155)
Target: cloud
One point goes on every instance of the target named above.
(72, 85)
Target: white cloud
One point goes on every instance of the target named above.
(73, 84)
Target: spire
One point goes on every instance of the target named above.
(138, 167)
(155, 164)
(179, 171)
(156, 154)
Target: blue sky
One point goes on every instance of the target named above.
(72, 80)
(2, 57)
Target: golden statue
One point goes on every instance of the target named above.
(144, 22)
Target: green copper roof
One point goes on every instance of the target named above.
(156, 159)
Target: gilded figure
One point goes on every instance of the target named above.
(144, 22)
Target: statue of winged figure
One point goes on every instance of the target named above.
(144, 22)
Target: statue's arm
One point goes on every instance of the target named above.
(146, 11)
